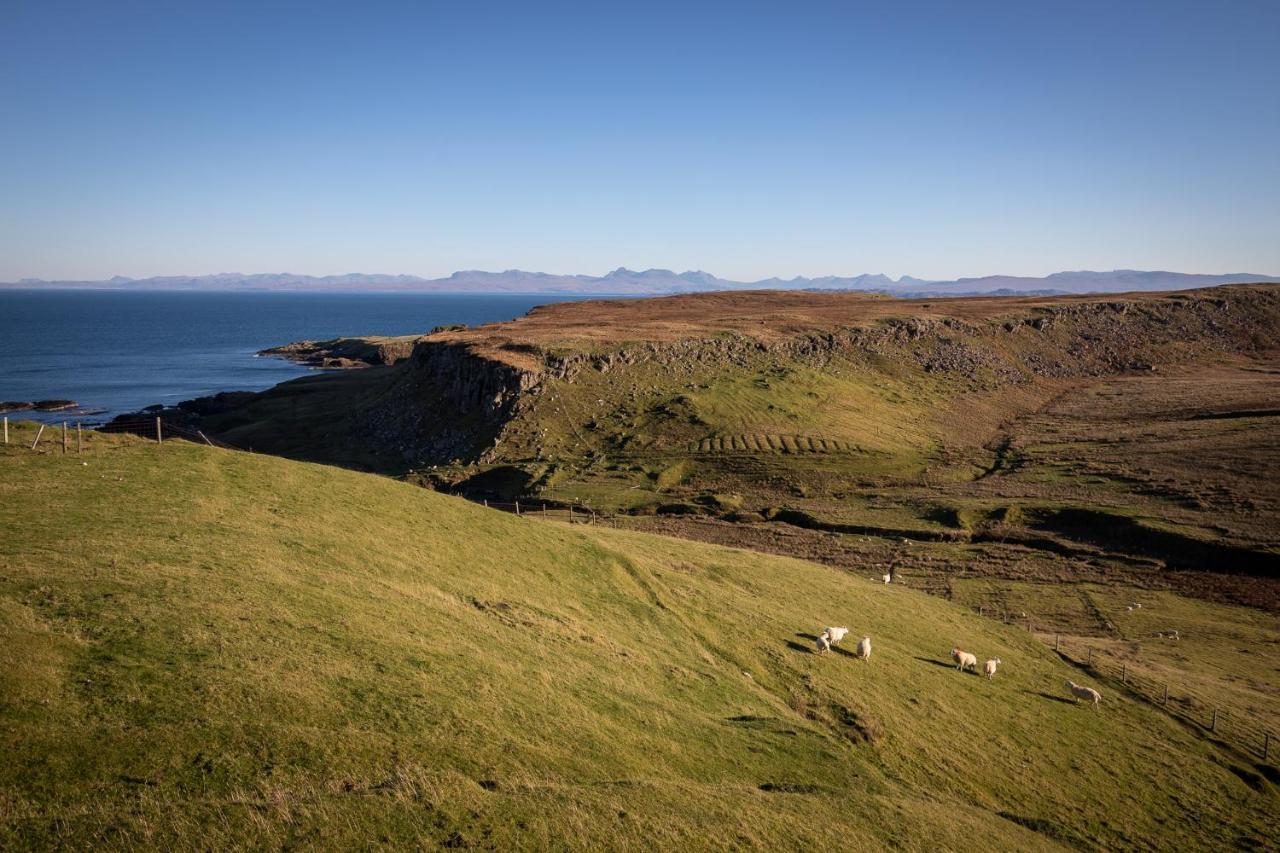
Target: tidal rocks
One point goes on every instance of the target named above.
(37, 406)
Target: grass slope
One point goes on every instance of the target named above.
(213, 649)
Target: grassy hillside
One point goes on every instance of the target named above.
(209, 649)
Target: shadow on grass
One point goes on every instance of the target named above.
(945, 664)
(813, 638)
(1048, 696)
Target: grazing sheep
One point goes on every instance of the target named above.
(1129, 609)
(1080, 692)
(864, 648)
(964, 659)
(822, 644)
(835, 635)
(887, 578)
(989, 668)
(1174, 635)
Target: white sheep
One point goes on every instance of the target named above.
(964, 659)
(887, 578)
(835, 635)
(1081, 692)
(989, 668)
(864, 648)
(822, 643)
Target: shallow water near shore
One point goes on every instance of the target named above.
(116, 352)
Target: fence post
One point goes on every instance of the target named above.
(39, 433)
(64, 436)
(571, 513)
(544, 509)
(6, 429)
(205, 437)
(1213, 727)
(1090, 663)
(486, 503)
(980, 613)
(159, 439)
(78, 438)
(517, 507)
(1057, 643)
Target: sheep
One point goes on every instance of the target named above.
(822, 644)
(1081, 692)
(864, 649)
(835, 635)
(989, 668)
(964, 659)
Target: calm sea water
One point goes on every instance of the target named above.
(117, 352)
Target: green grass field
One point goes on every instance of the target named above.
(210, 649)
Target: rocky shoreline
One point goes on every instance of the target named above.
(345, 353)
(9, 406)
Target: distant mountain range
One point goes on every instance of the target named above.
(652, 282)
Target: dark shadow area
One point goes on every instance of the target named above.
(944, 664)
(796, 647)
(813, 638)
(1048, 696)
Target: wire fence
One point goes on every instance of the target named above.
(550, 511)
(1231, 726)
(73, 436)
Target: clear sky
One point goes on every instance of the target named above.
(746, 139)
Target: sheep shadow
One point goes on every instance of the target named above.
(813, 638)
(945, 664)
(1048, 696)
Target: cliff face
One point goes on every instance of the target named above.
(648, 374)
(476, 396)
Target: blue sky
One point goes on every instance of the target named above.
(749, 140)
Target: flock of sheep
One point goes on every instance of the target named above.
(831, 636)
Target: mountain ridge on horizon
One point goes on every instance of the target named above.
(659, 282)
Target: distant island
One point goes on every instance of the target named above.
(655, 282)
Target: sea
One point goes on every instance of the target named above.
(120, 351)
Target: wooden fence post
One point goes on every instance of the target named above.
(1213, 727)
(6, 429)
(980, 613)
(1090, 663)
(79, 442)
(1057, 643)
(39, 433)
(486, 503)
(159, 438)
(571, 513)
(205, 437)
(517, 507)
(544, 509)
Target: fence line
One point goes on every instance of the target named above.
(1240, 730)
(155, 428)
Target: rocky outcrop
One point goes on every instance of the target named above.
(37, 406)
(344, 353)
